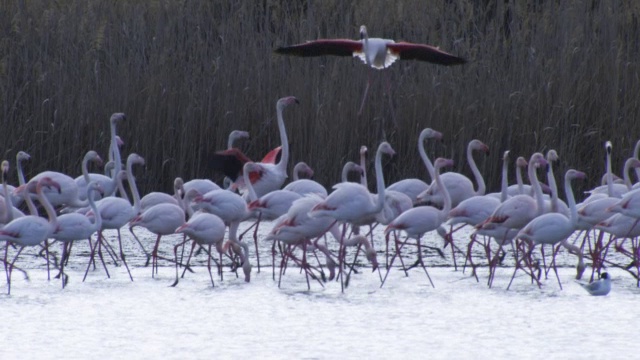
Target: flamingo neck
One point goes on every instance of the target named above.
(97, 223)
(253, 196)
(27, 198)
(133, 187)
(551, 179)
(345, 172)
(85, 168)
(482, 188)
(363, 175)
(504, 185)
(379, 182)
(115, 151)
(51, 212)
(636, 153)
(571, 200)
(284, 157)
(21, 179)
(7, 201)
(519, 180)
(445, 193)
(609, 176)
(625, 175)
(425, 158)
(296, 171)
(537, 190)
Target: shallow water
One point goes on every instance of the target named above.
(461, 317)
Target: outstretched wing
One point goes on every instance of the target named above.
(337, 47)
(410, 51)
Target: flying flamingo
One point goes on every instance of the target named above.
(351, 202)
(30, 230)
(374, 52)
(420, 220)
(414, 187)
(553, 228)
(458, 185)
(75, 226)
(270, 176)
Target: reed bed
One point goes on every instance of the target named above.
(541, 75)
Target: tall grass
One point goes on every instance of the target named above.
(542, 74)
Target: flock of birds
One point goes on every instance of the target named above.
(303, 214)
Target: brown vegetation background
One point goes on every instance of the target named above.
(542, 74)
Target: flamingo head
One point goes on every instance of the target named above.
(442, 162)
(134, 158)
(44, 182)
(552, 156)
(608, 147)
(363, 150)
(115, 117)
(22, 156)
(5, 169)
(198, 199)
(286, 101)
(479, 145)
(386, 148)
(575, 174)
(182, 228)
(363, 32)
(521, 162)
(119, 141)
(505, 155)
(429, 133)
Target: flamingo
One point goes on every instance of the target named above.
(116, 212)
(611, 188)
(374, 52)
(417, 221)
(553, 228)
(232, 209)
(30, 230)
(414, 187)
(458, 185)
(269, 206)
(203, 229)
(474, 210)
(76, 226)
(270, 176)
(305, 186)
(351, 202)
(517, 211)
(7, 210)
(70, 193)
(108, 183)
(161, 219)
(157, 197)
(233, 137)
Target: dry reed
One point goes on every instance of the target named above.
(541, 74)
